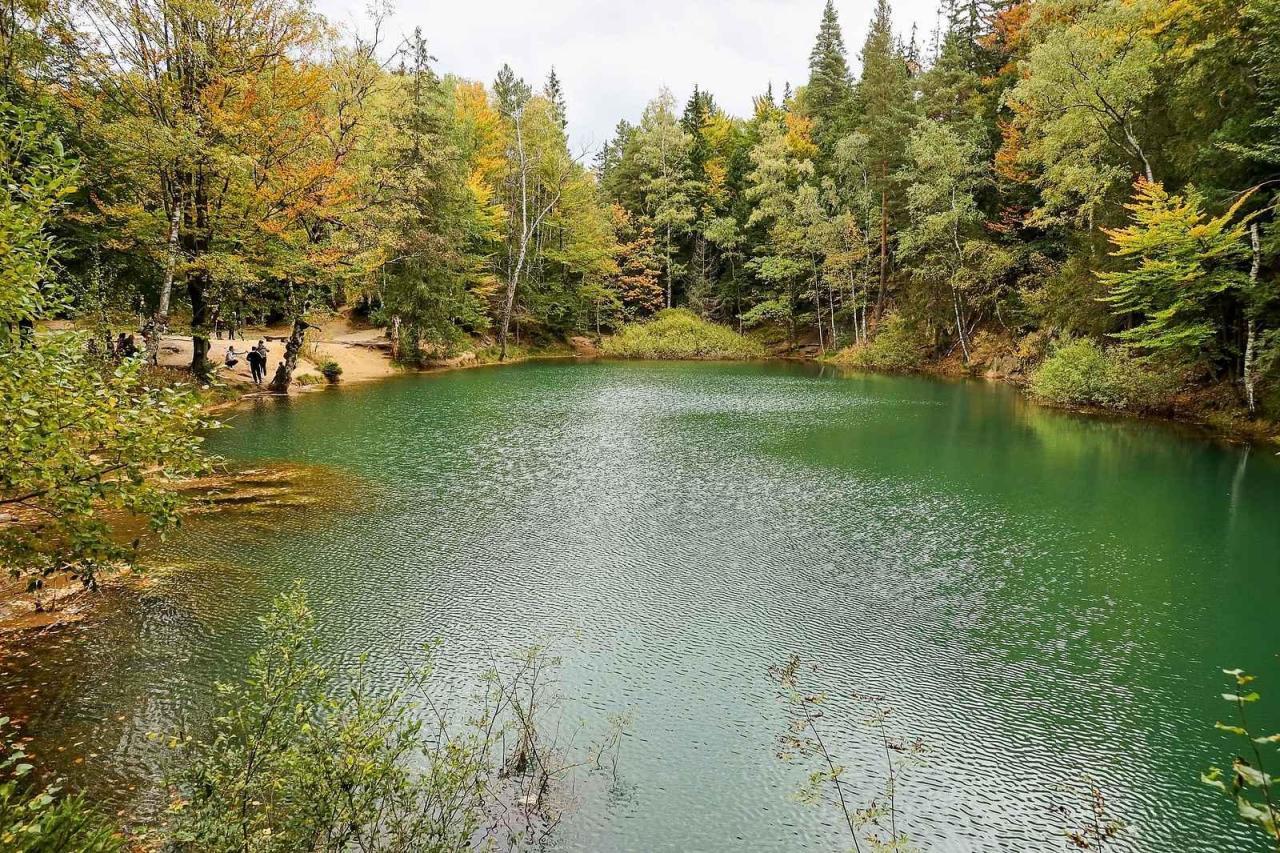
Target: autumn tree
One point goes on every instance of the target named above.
(1180, 263)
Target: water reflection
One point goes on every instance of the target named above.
(1040, 595)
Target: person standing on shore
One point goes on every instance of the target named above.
(263, 352)
(257, 366)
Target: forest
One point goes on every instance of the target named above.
(1077, 196)
(1088, 183)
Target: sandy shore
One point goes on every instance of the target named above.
(363, 353)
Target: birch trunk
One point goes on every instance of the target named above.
(1251, 340)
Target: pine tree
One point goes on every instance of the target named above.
(510, 91)
(828, 96)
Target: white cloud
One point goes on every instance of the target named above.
(613, 57)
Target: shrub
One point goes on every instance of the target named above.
(897, 346)
(677, 333)
(1081, 373)
(302, 757)
(331, 370)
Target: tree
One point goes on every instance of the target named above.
(886, 107)
(429, 219)
(661, 156)
(944, 246)
(1182, 263)
(639, 278)
(786, 204)
(538, 169)
(1082, 106)
(79, 433)
(828, 97)
(554, 93)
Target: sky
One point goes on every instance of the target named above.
(612, 58)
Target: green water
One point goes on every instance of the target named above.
(1039, 596)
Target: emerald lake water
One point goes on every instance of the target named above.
(1041, 597)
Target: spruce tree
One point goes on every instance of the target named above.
(886, 109)
(554, 93)
(829, 93)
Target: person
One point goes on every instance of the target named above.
(232, 358)
(257, 366)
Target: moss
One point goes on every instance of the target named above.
(680, 334)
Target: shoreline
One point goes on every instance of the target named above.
(1229, 427)
(20, 612)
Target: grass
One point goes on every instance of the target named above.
(677, 333)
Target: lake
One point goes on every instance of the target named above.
(1042, 598)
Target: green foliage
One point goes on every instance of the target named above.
(1252, 787)
(1082, 104)
(331, 370)
(1081, 373)
(37, 818)
(956, 267)
(82, 438)
(303, 758)
(829, 93)
(1182, 261)
(80, 435)
(679, 334)
(299, 761)
(35, 178)
(897, 346)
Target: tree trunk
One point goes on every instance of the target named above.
(964, 345)
(831, 313)
(198, 240)
(171, 260)
(284, 370)
(199, 325)
(159, 323)
(1251, 324)
(668, 247)
(817, 307)
(884, 238)
(508, 304)
(395, 337)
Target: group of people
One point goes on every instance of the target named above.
(257, 357)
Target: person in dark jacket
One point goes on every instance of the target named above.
(257, 365)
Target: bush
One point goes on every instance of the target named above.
(897, 347)
(331, 370)
(302, 757)
(1081, 373)
(677, 333)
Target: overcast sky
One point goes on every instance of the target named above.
(613, 57)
